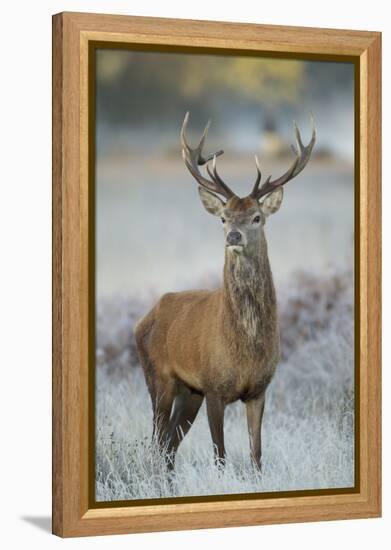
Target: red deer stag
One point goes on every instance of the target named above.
(221, 345)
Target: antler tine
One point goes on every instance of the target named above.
(214, 175)
(183, 131)
(258, 180)
(299, 142)
(204, 135)
(193, 159)
(302, 156)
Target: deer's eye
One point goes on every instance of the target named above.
(257, 219)
(223, 220)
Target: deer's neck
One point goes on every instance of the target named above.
(249, 296)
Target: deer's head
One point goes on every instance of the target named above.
(243, 219)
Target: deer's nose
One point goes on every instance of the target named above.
(234, 237)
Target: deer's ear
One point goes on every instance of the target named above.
(272, 202)
(213, 204)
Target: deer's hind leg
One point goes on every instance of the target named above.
(186, 406)
(164, 397)
(161, 389)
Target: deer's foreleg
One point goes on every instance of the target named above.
(255, 408)
(215, 409)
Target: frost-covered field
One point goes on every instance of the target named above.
(308, 438)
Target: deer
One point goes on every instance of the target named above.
(220, 345)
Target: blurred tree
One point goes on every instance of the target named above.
(270, 79)
(135, 86)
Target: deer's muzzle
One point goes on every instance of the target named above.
(234, 238)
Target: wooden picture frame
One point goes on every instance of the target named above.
(73, 514)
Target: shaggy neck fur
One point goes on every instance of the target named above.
(249, 297)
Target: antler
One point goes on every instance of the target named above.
(193, 159)
(302, 156)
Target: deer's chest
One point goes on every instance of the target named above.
(242, 380)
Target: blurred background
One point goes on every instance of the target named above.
(153, 236)
(152, 231)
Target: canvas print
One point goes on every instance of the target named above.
(224, 274)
